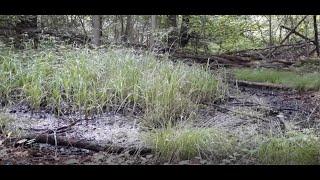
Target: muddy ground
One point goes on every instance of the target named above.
(246, 113)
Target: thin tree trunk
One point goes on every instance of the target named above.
(153, 29)
(116, 32)
(306, 27)
(270, 30)
(184, 31)
(128, 32)
(83, 27)
(315, 25)
(122, 27)
(97, 30)
(173, 34)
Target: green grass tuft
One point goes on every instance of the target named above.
(296, 148)
(186, 143)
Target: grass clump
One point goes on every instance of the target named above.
(307, 81)
(294, 148)
(4, 121)
(68, 80)
(186, 143)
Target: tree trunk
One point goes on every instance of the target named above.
(270, 30)
(153, 29)
(122, 27)
(173, 34)
(128, 32)
(315, 25)
(28, 24)
(97, 30)
(184, 30)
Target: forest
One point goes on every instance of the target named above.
(159, 90)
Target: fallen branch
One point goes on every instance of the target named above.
(292, 30)
(298, 34)
(289, 63)
(261, 85)
(83, 144)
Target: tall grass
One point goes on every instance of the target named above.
(90, 81)
(307, 81)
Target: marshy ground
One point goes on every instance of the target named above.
(152, 111)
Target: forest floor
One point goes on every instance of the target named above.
(246, 113)
(137, 109)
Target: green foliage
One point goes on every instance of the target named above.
(294, 148)
(187, 143)
(308, 81)
(228, 33)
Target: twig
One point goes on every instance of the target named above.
(237, 112)
(311, 113)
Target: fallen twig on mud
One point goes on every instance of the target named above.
(57, 130)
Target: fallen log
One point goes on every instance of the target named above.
(262, 49)
(83, 144)
(261, 85)
(288, 63)
(233, 58)
(221, 59)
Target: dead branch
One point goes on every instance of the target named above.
(292, 30)
(298, 34)
(224, 109)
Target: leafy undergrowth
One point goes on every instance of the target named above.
(307, 81)
(296, 148)
(175, 144)
(68, 80)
